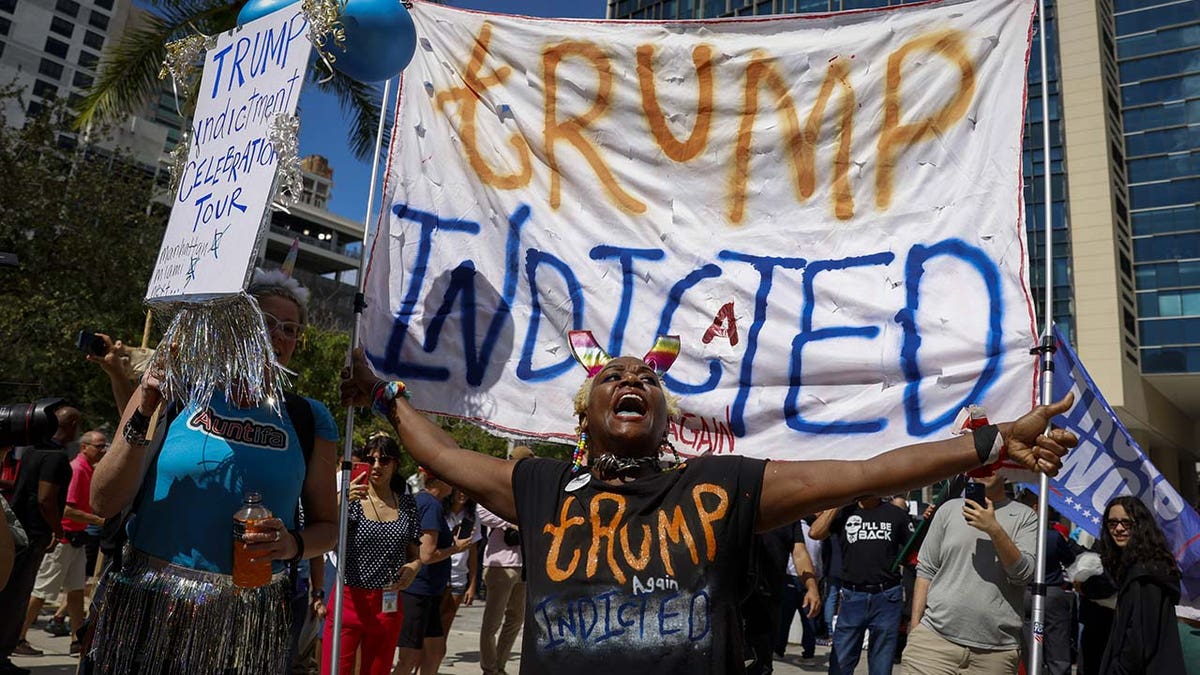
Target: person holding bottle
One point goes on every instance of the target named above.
(382, 558)
(174, 605)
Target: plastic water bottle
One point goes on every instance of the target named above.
(249, 573)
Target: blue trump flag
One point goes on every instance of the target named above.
(1108, 463)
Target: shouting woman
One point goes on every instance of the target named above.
(632, 565)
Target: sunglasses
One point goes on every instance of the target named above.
(288, 329)
(381, 460)
(99, 446)
(1114, 523)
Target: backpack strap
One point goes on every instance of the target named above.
(300, 412)
(164, 424)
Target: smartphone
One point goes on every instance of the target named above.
(466, 526)
(359, 469)
(90, 343)
(975, 492)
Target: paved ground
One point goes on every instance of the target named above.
(462, 653)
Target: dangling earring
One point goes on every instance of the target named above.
(674, 453)
(580, 452)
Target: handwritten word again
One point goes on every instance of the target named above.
(257, 54)
(762, 74)
(476, 352)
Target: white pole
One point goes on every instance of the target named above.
(1046, 353)
(348, 446)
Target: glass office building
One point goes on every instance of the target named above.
(1124, 115)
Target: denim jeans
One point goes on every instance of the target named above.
(879, 612)
(832, 586)
(793, 596)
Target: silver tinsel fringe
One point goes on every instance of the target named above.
(158, 618)
(179, 159)
(325, 24)
(219, 344)
(285, 137)
(183, 59)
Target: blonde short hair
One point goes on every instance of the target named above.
(274, 282)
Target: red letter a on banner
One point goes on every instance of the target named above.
(724, 325)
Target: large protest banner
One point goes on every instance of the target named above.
(827, 209)
(251, 75)
(1108, 463)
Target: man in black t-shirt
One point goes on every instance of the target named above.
(872, 533)
(39, 498)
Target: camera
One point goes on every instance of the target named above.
(29, 423)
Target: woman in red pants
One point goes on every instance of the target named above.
(381, 559)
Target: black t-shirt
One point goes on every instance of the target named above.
(40, 464)
(773, 548)
(870, 540)
(646, 575)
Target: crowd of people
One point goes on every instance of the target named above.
(624, 556)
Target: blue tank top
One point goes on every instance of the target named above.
(211, 457)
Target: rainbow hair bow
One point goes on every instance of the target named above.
(592, 356)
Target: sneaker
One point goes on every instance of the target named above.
(76, 647)
(57, 627)
(23, 648)
(825, 642)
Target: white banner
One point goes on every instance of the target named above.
(826, 209)
(252, 75)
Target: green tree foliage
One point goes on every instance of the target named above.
(77, 219)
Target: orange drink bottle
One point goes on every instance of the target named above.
(249, 573)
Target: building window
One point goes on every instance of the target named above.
(5, 24)
(9, 6)
(43, 89)
(68, 7)
(34, 109)
(93, 40)
(56, 48)
(98, 20)
(105, 4)
(61, 26)
(82, 80)
(88, 59)
(50, 68)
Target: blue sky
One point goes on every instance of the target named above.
(323, 127)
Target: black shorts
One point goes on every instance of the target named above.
(422, 619)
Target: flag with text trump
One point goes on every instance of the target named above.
(826, 209)
(1108, 463)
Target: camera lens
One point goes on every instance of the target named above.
(29, 423)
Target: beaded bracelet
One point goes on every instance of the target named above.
(384, 394)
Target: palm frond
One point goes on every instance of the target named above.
(128, 77)
(360, 107)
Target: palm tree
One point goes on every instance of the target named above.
(128, 78)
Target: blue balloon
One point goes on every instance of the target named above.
(257, 9)
(380, 40)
